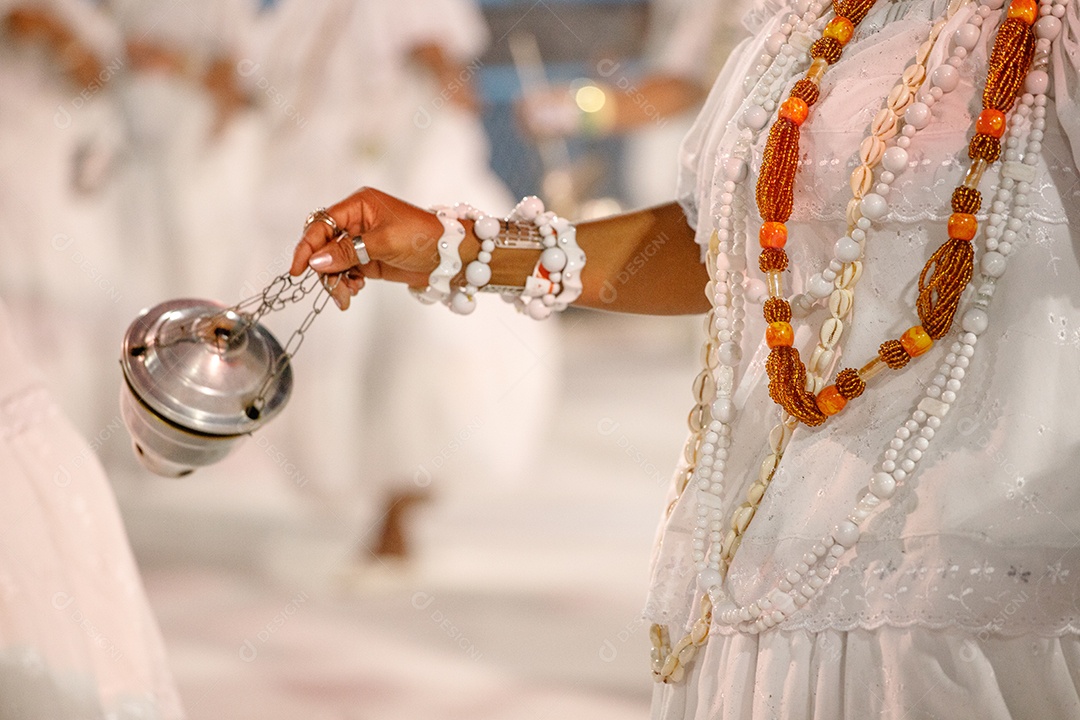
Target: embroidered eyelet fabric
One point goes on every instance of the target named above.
(980, 548)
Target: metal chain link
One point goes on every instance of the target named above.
(282, 291)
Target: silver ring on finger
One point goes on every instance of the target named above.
(361, 250)
(320, 215)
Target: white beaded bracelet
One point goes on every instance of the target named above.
(438, 288)
(554, 283)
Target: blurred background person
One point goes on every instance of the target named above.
(371, 92)
(191, 145)
(59, 144)
(77, 640)
(652, 100)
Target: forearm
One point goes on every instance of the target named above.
(643, 262)
(640, 262)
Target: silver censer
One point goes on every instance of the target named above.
(200, 376)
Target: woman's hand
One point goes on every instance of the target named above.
(639, 262)
(400, 238)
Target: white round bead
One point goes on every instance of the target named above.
(755, 117)
(917, 115)
(945, 77)
(993, 264)
(774, 42)
(847, 250)
(975, 321)
(529, 208)
(487, 228)
(1037, 81)
(729, 353)
(818, 286)
(553, 259)
(966, 36)
(882, 485)
(1048, 27)
(708, 578)
(462, 304)
(723, 409)
(895, 160)
(735, 169)
(477, 274)
(537, 310)
(873, 205)
(846, 533)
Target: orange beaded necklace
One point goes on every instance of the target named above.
(948, 270)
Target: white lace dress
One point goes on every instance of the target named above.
(962, 599)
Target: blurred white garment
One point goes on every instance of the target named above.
(62, 274)
(187, 218)
(962, 597)
(393, 392)
(77, 640)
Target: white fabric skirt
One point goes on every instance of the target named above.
(77, 639)
(888, 674)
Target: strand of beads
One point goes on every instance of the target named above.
(842, 297)
(712, 562)
(946, 273)
(913, 438)
(1017, 174)
(775, 198)
(765, 83)
(949, 269)
(706, 449)
(908, 110)
(837, 282)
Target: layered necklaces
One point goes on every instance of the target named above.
(1018, 61)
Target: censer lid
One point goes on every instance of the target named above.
(206, 368)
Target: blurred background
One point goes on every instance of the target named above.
(453, 516)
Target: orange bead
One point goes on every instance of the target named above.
(795, 110)
(916, 341)
(773, 235)
(839, 29)
(991, 122)
(1026, 11)
(779, 334)
(830, 401)
(962, 226)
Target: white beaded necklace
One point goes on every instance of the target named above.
(803, 581)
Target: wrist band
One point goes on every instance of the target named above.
(438, 288)
(554, 283)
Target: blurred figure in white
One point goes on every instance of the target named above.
(381, 93)
(77, 640)
(61, 275)
(193, 147)
(686, 43)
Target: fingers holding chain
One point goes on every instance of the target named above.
(352, 279)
